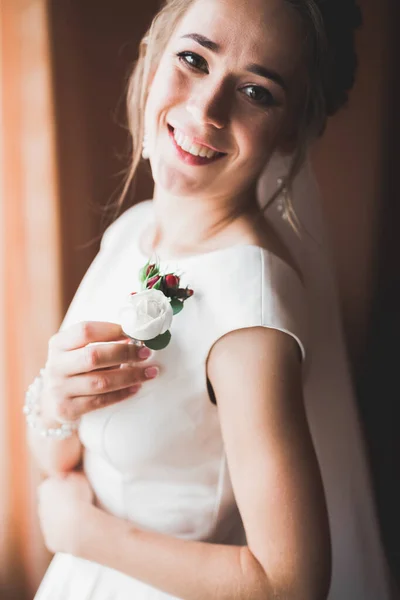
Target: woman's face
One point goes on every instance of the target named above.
(223, 96)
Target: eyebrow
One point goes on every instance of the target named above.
(268, 74)
(252, 68)
(203, 41)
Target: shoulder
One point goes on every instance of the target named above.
(126, 224)
(252, 287)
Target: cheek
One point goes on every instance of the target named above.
(167, 90)
(258, 141)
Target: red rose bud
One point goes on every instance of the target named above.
(183, 293)
(152, 282)
(172, 281)
(149, 269)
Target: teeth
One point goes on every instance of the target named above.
(179, 137)
(187, 144)
(195, 149)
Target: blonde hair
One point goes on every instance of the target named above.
(330, 34)
(151, 48)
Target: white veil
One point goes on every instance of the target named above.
(359, 569)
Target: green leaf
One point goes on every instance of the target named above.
(159, 342)
(157, 286)
(142, 272)
(176, 305)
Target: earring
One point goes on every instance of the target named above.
(145, 146)
(283, 198)
(285, 206)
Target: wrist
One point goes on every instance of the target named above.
(85, 523)
(34, 415)
(98, 531)
(49, 421)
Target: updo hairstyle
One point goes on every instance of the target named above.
(331, 66)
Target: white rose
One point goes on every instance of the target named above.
(147, 315)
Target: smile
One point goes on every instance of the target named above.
(190, 151)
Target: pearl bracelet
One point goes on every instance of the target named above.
(32, 413)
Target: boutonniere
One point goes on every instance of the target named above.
(147, 315)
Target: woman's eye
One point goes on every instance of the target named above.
(259, 95)
(193, 61)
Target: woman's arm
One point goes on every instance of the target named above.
(257, 379)
(276, 481)
(55, 456)
(185, 569)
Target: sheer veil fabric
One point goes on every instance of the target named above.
(359, 566)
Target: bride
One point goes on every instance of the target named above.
(229, 463)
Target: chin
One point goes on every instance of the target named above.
(177, 183)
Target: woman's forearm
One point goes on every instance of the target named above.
(186, 569)
(55, 456)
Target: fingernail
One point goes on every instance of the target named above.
(151, 372)
(144, 352)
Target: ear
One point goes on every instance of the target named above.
(150, 83)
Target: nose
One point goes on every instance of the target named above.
(209, 105)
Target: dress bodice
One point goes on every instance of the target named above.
(158, 457)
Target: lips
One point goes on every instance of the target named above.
(192, 150)
(189, 145)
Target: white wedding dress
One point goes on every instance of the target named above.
(158, 458)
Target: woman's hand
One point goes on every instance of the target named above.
(63, 501)
(83, 371)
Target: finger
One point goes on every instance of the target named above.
(84, 404)
(103, 382)
(86, 332)
(100, 356)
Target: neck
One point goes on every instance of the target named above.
(187, 224)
